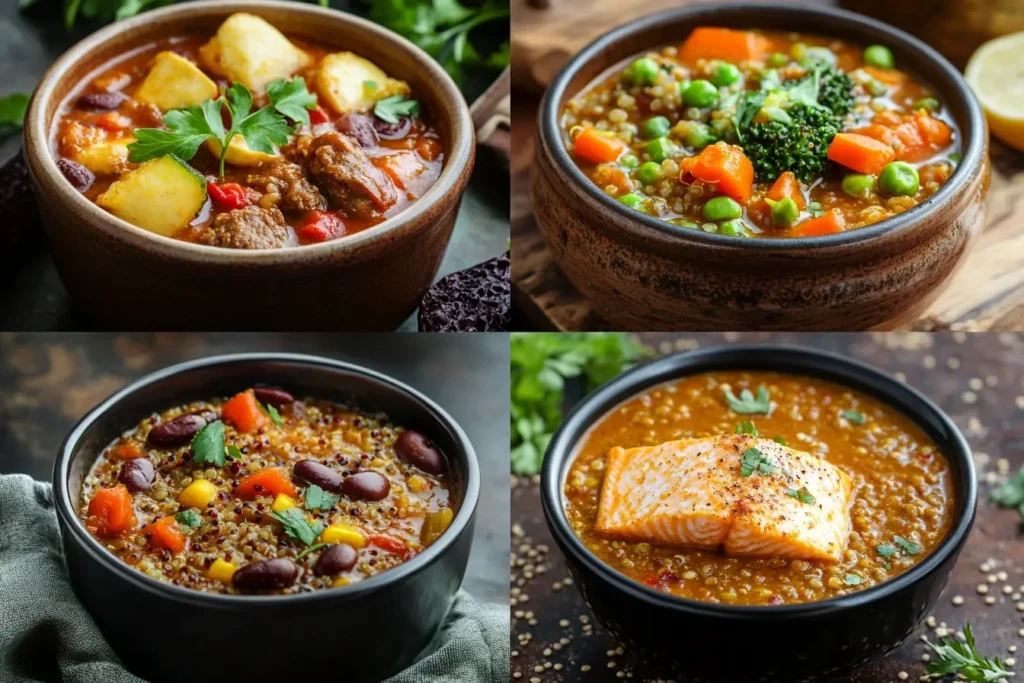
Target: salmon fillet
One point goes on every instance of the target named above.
(697, 492)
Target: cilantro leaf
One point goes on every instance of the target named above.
(315, 546)
(855, 417)
(292, 99)
(803, 495)
(208, 445)
(12, 110)
(747, 404)
(908, 547)
(747, 427)
(297, 527)
(886, 550)
(274, 415)
(190, 518)
(754, 461)
(233, 452)
(852, 580)
(318, 499)
(389, 109)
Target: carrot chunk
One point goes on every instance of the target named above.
(727, 167)
(165, 533)
(243, 412)
(127, 451)
(111, 511)
(787, 186)
(710, 42)
(269, 482)
(860, 153)
(935, 132)
(597, 146)
(403, 167)
(607, 174)
(827, 224)
(878, 132)
(891, 77)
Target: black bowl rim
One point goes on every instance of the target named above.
(970, 163)
(782, 358)
(66, 511)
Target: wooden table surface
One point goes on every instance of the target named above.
(48, 381)
(987, 293)
(977, 379)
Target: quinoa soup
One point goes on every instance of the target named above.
(797, 445)
(263, 492)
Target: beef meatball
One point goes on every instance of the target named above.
(250, 228)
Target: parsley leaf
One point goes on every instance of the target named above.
(274, 415)
(854, 416)
(747, 404)
(315, 546)
(747, 427)
(186, 129)
(753, 461)
(12, 110)
(802, 494)
(852, 580)
(908, 547)
(779, 440)
(318, 499)
(292, 99)
(297, 527)
(886, 550)
(208, 445)
(955, 657)
(233, 452)
(389, 109)
(189, 518)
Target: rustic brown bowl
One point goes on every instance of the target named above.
(125, 277)
(645, 274)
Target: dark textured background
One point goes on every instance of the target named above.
(48, 381)
(949, 368)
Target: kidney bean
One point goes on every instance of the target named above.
(176, 432)
(368, 485)
(137, 475)
(272, 396)
(313, 472)
(359, 127)
(101, 101)
(79, 176)
(392, 131)
(416, 449)
(266, 575)
(336, 559)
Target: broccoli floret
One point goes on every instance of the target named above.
(835, 90)
(800, 146)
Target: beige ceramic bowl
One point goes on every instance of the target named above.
(124, 277)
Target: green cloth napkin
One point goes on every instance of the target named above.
(46, 635)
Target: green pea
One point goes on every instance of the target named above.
(726, 74)
(684, 223)
(733, 228)
(643, 71)
(899, 179)
(858, 185)
(784, 212)
(649, 172)
(722, 208)
(929, 103)
(778, 59)
(655, 127)
(699, 136)
(879, 56)
(700, 93)
(631, 199)
(660, 149)
(629, 161)
(955, 157)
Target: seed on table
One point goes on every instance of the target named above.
(958, 600)
(903, 675)
(982, 589)
(990, 600)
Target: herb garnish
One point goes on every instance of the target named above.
(802, 494)
(189, 518)
(753, 461)
(955, 657)
(388, 109)
(318, 499)
(208, 445)
(853, 416)
(315, 546)
(291, 99)
(233, 452)
(886, 550)
(747, 404)
(852, 580)
(1011, 494)
(12, 110)
(274, 415)
(779, 440)
(747, 427)
(297, 527)
(908, 547)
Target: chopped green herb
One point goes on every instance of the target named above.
(318, 499)
(908, 547)
(886, 550)
(747, 404)
(208, 445)
(955, 657)
(290, 98)
(853, 416)
(747, 427)
(802, 494)
(274, 415)
(1011, 493)
(390, 108)
(315, 546)
(753, 461)
(816, 209)
(189, 518)
(233, 452)
(296, 526)
(779, 440)
(852, 580)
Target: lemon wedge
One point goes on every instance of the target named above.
(996, 73)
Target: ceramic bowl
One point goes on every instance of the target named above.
(124, 277)
(645, 274)
(363, 633)
(704, 642)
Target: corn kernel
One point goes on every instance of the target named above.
(435, 524)
(417, 484)
(343, 533)
(221, 571)
(377, 462)
(341, 581)
(198, 494)
(282, 503)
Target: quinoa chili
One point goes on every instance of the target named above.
(262, 492)
(763, 134)
(903, 498)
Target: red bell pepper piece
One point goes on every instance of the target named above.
(318, 115)
(392, 545)
(229, 195)
(320, 226)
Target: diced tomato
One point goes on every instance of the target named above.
(392, 545)
(111, 511)
(318, 115)
(229, 195)
(165, 533)
(403, 167)
(113, 122)
(651, 580)
(320, 226)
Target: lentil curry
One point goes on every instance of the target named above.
(319, 143)
(763, 134)
(902, 495)
(265, 493)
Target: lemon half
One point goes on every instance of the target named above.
(996, 73)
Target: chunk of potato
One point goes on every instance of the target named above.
(239, 153)
(105, 158)
(351, 83)
(248, 50)
(162, 195)
(175, 82)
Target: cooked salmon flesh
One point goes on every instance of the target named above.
(746, 495)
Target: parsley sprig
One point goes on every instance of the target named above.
(747, 403)
(318, 499)
(390, 108)
(208, 445)
(297, 527)
(956, 657)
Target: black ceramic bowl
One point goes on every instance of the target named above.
(363, 632)
(711, 642)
